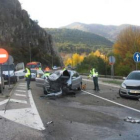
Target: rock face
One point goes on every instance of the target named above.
(20, 35)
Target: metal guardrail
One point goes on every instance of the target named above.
(105, 76)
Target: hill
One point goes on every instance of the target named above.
(71, 40)
(108, 31)
(20, 35)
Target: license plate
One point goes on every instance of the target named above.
(134, 91)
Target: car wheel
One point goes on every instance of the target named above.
(120, 94)
(45, 92)
(80, 87)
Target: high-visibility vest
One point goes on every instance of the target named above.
(93, 73)
(47, 74)
(28, 73)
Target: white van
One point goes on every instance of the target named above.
(19, 70)
(8, 72)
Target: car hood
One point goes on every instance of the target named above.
(132, 82)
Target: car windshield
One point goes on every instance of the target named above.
(134, 76)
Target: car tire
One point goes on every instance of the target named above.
(45, 92)
(120, 94)
(80, 87)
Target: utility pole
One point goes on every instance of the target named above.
(30, 50)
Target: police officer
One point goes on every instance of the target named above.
(28, 77)
(94, 74)
(47, 73)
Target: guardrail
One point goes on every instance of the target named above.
(105, 76)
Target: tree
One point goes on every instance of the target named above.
(128, 42)
(92, 61)
(74, 60)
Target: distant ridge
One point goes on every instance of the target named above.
(76, 39)
(108, 31)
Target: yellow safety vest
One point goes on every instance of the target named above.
(28, 73)
(47, 74)
(93, 73)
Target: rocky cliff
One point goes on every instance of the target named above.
(20, 35)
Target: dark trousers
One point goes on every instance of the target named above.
(28, 82)
(95, 80)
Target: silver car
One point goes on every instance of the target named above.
(60, 82)
(131, 85)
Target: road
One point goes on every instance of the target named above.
(87, 115)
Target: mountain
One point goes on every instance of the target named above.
(71, 40)
(108, 31)
(19, 35)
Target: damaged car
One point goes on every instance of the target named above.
(60, 82)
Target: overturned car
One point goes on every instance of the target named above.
(60, 82)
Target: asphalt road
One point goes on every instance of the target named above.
(87, 115)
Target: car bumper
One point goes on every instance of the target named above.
(129, 93)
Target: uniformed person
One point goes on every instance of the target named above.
(47, 73)
(28, 77)
(94, 74)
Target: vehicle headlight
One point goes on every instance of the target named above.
(123, 85)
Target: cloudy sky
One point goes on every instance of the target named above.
(58, 13)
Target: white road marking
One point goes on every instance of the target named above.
(20, 90)
(18, 101)
(27, 116)
(103, 83)
(112, 102)
(22, 84)
(20, 95)
(4, 102)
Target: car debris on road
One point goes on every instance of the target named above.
(132, 120)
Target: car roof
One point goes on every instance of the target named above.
(136, 71)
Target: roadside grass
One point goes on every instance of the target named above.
(112, 82)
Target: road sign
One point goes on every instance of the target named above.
(111, 60)
(136, 57)
(3, 55)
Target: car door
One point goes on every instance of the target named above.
(76, 80)
(40, 81)
(19, 70)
